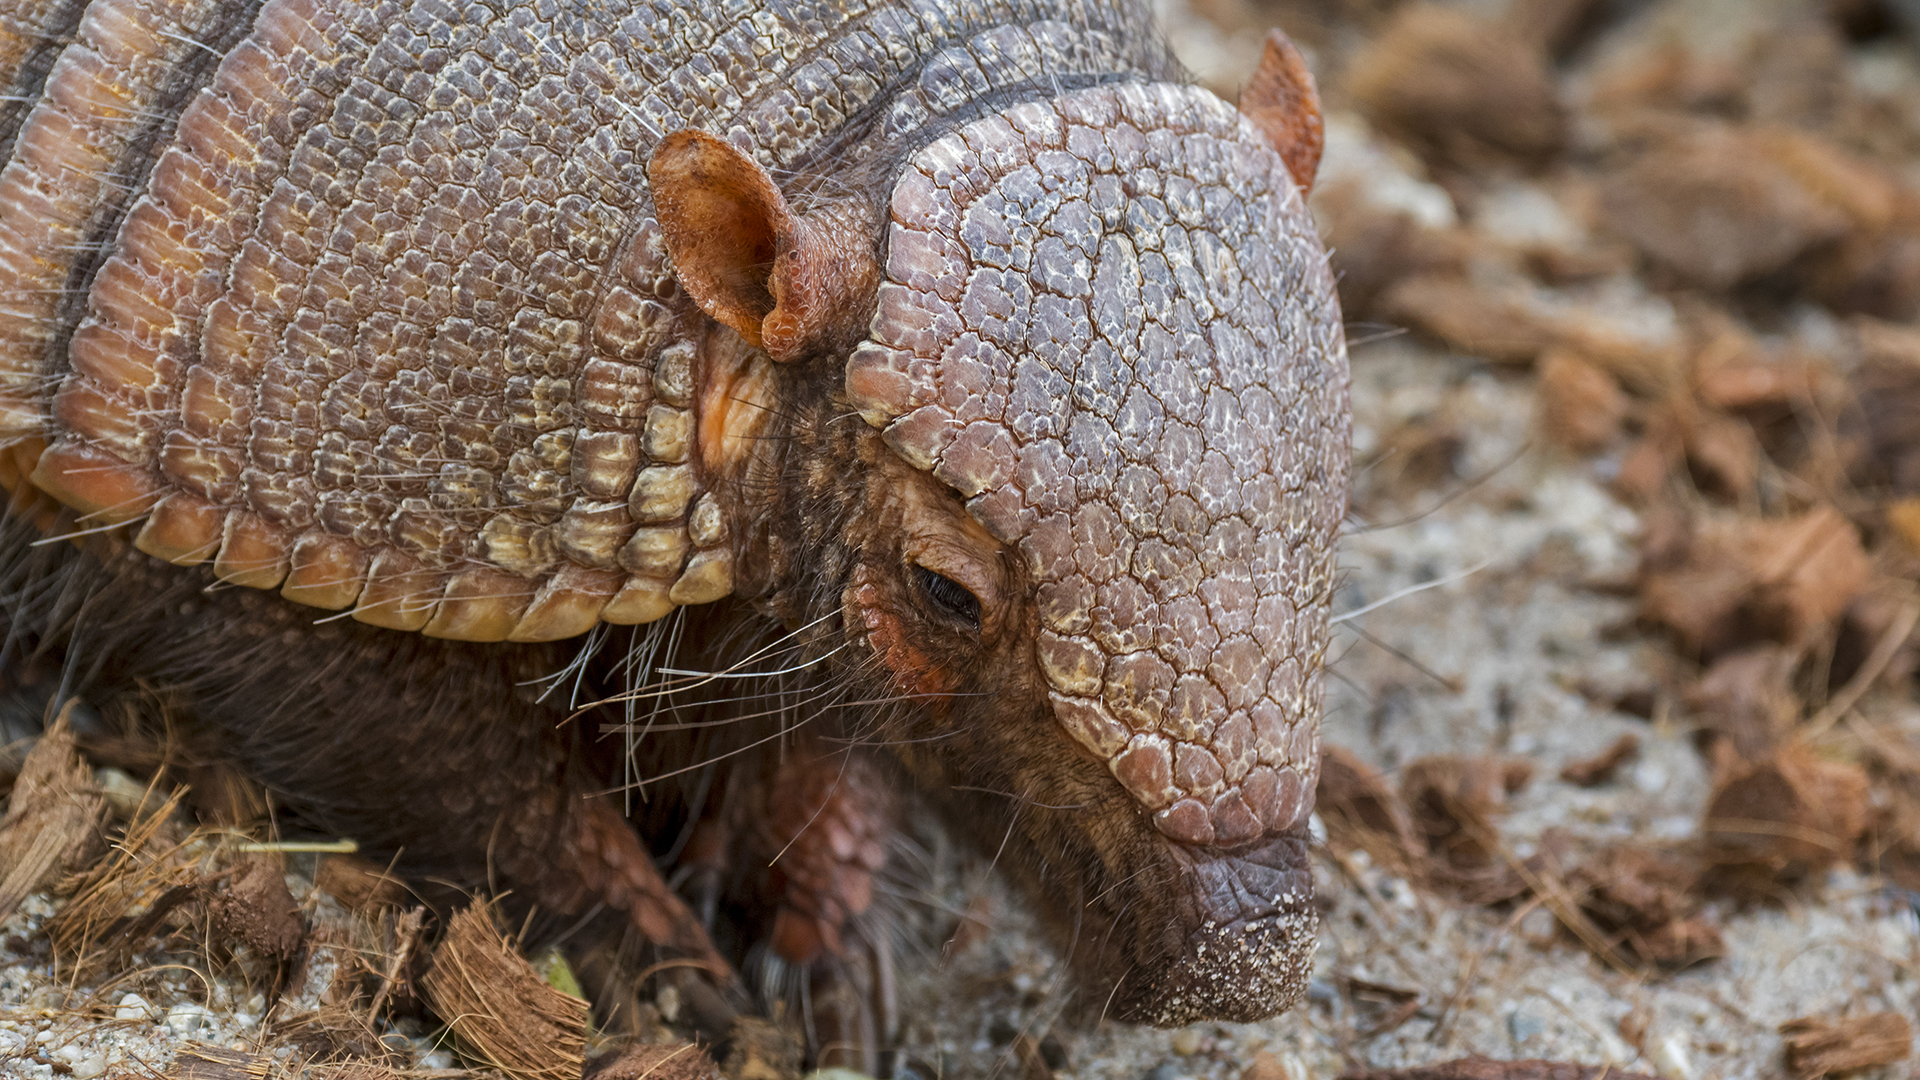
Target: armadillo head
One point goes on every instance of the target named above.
(1092, 517)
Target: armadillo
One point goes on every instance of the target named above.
(414, 392)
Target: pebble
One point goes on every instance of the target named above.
(1523, 1024)
(1670, 1058)
(1185, 1042)
(188, 1020)
(132, 1007)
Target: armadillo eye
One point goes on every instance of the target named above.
(948, 595)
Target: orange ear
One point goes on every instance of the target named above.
(1283, 103)
(784, 282)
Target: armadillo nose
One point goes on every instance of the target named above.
(1250, 950)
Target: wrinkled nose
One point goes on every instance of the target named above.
(1250, 950)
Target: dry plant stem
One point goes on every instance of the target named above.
(1877, 661)
(407, 929)
(1554, 893)
(1464, 983)
(1379, 905)
(131, 877)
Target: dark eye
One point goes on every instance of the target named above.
(948, 595)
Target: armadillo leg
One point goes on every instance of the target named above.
(609, 861)
(829, 818)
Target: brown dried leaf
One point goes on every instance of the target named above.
(1361, 811)
(1453, 800)
(1816, 1046)
(1714, 207)
(121, 899)
(1033, 1065)
(1461, 90)
(198, 1061)
(53, 819)
(1581, 406)
(359, 884)
(357, 1070)
(1747, 698)
(499, 1007)
(1373, 247)
(758, 1050)
(1737, 582)
(1501, 326)
(1645, 901)
(1599, 769)
(1790, 813)
(1265, 1066)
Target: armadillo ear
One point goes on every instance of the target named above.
(1283, 103)
(783, 281)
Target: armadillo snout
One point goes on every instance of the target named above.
(1250, 953)
(1106, 322)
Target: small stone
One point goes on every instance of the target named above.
(1523, 1024)
(1670, 1058)
(133, 1007)
(188, 1020)
(89, 1067)
(1186, 1042)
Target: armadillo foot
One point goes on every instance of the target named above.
(619, 871)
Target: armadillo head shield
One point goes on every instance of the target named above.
(1106, 322)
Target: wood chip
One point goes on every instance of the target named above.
(1461, 90)
(1599, 769)
(255, 909)
(1791, 813)
(499, 1008)
(53, 819)
(1581, 406)
(1818, 1046)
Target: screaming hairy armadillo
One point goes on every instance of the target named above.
(951, 381)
